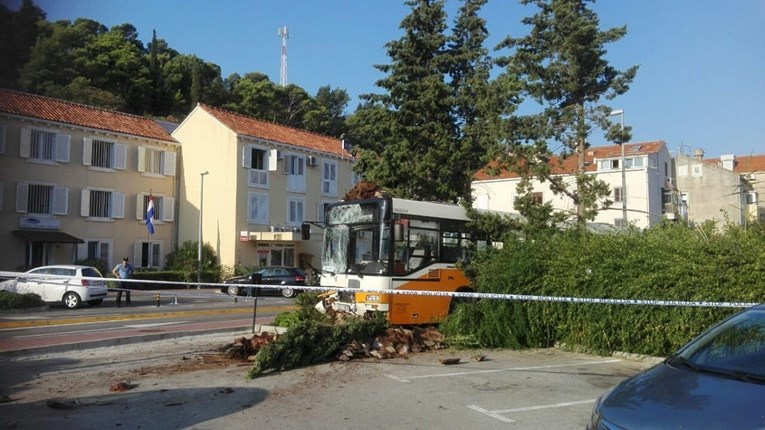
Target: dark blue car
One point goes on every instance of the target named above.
(717, 381)
(271, 275)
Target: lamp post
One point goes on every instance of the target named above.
(620, 112)
(201, 209)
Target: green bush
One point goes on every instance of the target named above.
(670, 263)
(10, 301)
(312, 338)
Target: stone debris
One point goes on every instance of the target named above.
(452, 360)
(122, 386)
(397, 341)
(245, 349)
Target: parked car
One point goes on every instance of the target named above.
(71, 292)
(272, 275)
(717, 381)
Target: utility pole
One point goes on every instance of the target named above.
(284, 34)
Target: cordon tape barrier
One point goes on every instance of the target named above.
(197, 289)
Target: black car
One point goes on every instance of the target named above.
(274, 275)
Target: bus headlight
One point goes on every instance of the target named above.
(373, 298)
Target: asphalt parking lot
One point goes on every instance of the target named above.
(532, 389)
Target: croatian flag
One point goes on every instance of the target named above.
(150, 215)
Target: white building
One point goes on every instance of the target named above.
(648, 176)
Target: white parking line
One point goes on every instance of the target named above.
(511, 369)
(497, 414)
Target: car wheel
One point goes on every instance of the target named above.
(233, 290)
(288, 293)
(72, 300)
(95, 302)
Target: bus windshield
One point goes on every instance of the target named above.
(356, 240)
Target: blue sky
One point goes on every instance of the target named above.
(701, 82)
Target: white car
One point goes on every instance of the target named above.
(63, 284)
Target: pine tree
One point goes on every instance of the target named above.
(562, 66)
(408, 138)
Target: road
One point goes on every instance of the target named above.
(179, 312)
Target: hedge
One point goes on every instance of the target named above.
(669, 262)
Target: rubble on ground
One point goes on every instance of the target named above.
(395, 342)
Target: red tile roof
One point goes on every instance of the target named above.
(248, 126)
(61, 111)
(568, 165)
(749, 164)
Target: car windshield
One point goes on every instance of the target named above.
(734, 348)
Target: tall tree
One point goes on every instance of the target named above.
(328, 113)
(562, 66)
(414, 152)
(18, 34)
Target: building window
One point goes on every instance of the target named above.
(103, 154)
(633, 162)
(155, 161)
(295, 211)
(618, 194)
(538, 198)
(294, 166)
(258, 159)
(257, 208)
(321, 209)
(41, 199)
(164, 208)
(329, 182)
(608, 164)
(148, 253)
(258, 162)
(104, 204)
(44, 146)
(96, 249)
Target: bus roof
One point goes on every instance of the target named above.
(433, 209)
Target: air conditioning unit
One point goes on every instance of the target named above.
(312, 161)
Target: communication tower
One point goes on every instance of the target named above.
(284, 34)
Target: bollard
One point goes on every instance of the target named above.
(157, 299)
(175, 300)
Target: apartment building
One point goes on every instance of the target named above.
(250, 184)
(75, 183)
(727, 189)
(648, 192)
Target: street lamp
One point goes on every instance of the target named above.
(201, 208)
(620, 112)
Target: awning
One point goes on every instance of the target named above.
(47, 236)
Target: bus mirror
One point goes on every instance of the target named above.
(305, 231)
(398, 232)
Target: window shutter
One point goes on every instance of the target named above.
(247, 156)
(156, 254)
(26, 140)
(168, 168)
(60, 200)
(139, 209)
(141, 159)
(85, 202)
(320, 212)
(287, 165)
(118, 205)
(120, 156)
(137, 254)
(168, 209)
(271, 160)
(62, 147)
(87, 151)
(22, 195)
(82, 252)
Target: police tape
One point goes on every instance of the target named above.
(202, 286)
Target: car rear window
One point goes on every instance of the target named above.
(90, 273)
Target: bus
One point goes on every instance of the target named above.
(387, 244)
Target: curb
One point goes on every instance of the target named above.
(135, 339)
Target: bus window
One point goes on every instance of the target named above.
(423, 247)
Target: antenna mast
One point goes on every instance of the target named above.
(284, 34)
